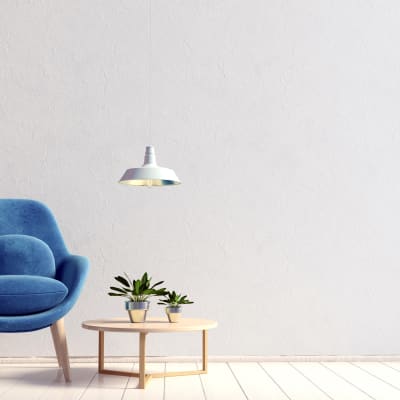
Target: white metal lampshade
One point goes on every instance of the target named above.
(150, 174)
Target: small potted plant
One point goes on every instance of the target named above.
(138, 292)
(173, 301)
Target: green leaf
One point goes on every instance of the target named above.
(158, 283)
(128, 279)
(123, 281)
(148, 292)
(136, 285)
(158, 292)
(121, 290)
(145, 285)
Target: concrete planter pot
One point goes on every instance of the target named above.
(137, 310)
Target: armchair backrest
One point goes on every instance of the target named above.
(25, 255)
(30, 217)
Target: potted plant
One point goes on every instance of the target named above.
(138, 292)
(173, 301)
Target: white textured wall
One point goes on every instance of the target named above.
(282, 120)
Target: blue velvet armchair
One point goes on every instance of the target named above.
(40, 281)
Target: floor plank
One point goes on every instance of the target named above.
(370, 385)
(233, 381)
(190, 385)
(154, 389)
(255, 382)
(381, 371)
(113, 381)
(103, 393)
(292, 382)
(81, 377)
(221, 384)
(330, 383)
(8, 378)
(392, 364)
(32, 383)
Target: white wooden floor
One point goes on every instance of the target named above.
(230, 381)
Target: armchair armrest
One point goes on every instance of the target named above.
(72, 271)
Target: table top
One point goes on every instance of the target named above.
(151, 325)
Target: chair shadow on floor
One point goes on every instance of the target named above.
(47, 376)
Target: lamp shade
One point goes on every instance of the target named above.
(149, 174)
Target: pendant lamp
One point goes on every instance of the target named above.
(149, 174)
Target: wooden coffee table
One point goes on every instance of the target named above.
(152, 325)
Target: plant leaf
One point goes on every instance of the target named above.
(123, 281)
(128, 279)
(136, 285)
(121, 290)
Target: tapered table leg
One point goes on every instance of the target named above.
(101, 351)
(205, 350)
(142, 360)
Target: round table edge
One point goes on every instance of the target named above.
(171, 327)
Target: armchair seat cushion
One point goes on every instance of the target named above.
(27, 294)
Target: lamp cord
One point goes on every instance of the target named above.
(149, 55)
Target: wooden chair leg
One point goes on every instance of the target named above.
(60, 344)
(56, 347)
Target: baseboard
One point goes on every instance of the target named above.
(227, 358)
